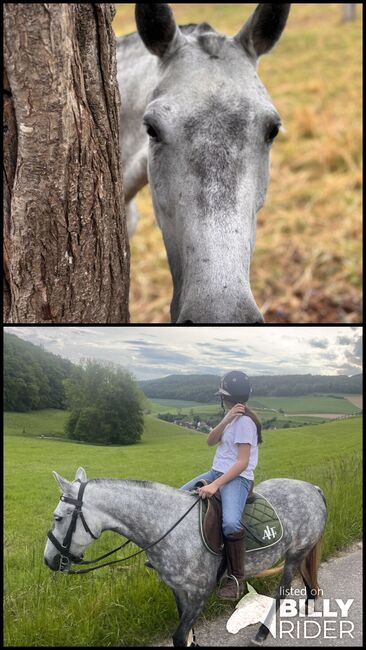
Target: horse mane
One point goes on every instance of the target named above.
(139, 483)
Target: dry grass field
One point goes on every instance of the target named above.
(307, 263)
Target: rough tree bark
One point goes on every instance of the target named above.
(66, 252)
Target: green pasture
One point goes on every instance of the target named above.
(158, 405)
(48, 422)
(130, 606)
(300, 404)
(306, 404)
(208, 410)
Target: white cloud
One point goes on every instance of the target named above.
(157, 351)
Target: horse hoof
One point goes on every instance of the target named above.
(254, 642)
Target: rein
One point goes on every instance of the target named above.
(65, 547)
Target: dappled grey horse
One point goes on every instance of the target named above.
(144, 511)
(198, 124)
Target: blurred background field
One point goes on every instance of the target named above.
(307, 263)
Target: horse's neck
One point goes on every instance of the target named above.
(137, 510)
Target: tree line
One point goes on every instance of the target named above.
(33, 378)
(202, 388)
(105, 403)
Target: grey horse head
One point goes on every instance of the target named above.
(211, 124)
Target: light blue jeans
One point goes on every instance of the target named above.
(233, 498)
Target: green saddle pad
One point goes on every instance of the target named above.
(262, 525)
(261, 522)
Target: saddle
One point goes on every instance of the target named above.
(262, 525)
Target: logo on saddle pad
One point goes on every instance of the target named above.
(269, 533)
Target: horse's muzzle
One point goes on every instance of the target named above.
(54, 564)
(254, 317)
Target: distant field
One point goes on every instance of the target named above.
(355, 399)
(300, 273)
(206, 410)
(118, 607)
(181, 404)
(302, 404)
(50, 422)
(306, 404)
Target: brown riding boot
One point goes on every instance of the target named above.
(235, 550)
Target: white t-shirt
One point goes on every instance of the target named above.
(241, 429)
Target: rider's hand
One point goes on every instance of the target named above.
(238, 409)
(207, 491)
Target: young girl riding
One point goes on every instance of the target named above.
(237, 435)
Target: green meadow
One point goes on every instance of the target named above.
(306, 404)
(311, 408)
(127, 604)
(311, 404)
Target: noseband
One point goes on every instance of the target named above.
(64, 549)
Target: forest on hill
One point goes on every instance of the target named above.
(202, 388)
(33, 378)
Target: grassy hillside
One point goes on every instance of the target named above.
(300, 273)
(48, 422)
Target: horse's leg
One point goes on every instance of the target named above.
(290, 568)
(180, 599)
(189, 608)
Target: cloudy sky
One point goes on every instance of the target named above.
(151, 352)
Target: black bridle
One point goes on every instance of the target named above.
(64, 549)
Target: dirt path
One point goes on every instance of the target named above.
(354, 399)
(339, 577)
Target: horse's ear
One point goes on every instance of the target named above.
(263, 29)
(64, 485)
(157, 28)
(80, 475)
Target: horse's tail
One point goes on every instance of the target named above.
(310, 565)
(270, 572)
(309, 569)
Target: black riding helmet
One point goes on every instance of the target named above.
(235, 387)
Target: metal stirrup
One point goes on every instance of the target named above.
(231, 577)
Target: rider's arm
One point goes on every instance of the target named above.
(215, 435)
(238, 467)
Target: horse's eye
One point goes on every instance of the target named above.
(152, 132)
(58, 518)
(272, 132)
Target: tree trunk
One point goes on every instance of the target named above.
(66, 251)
